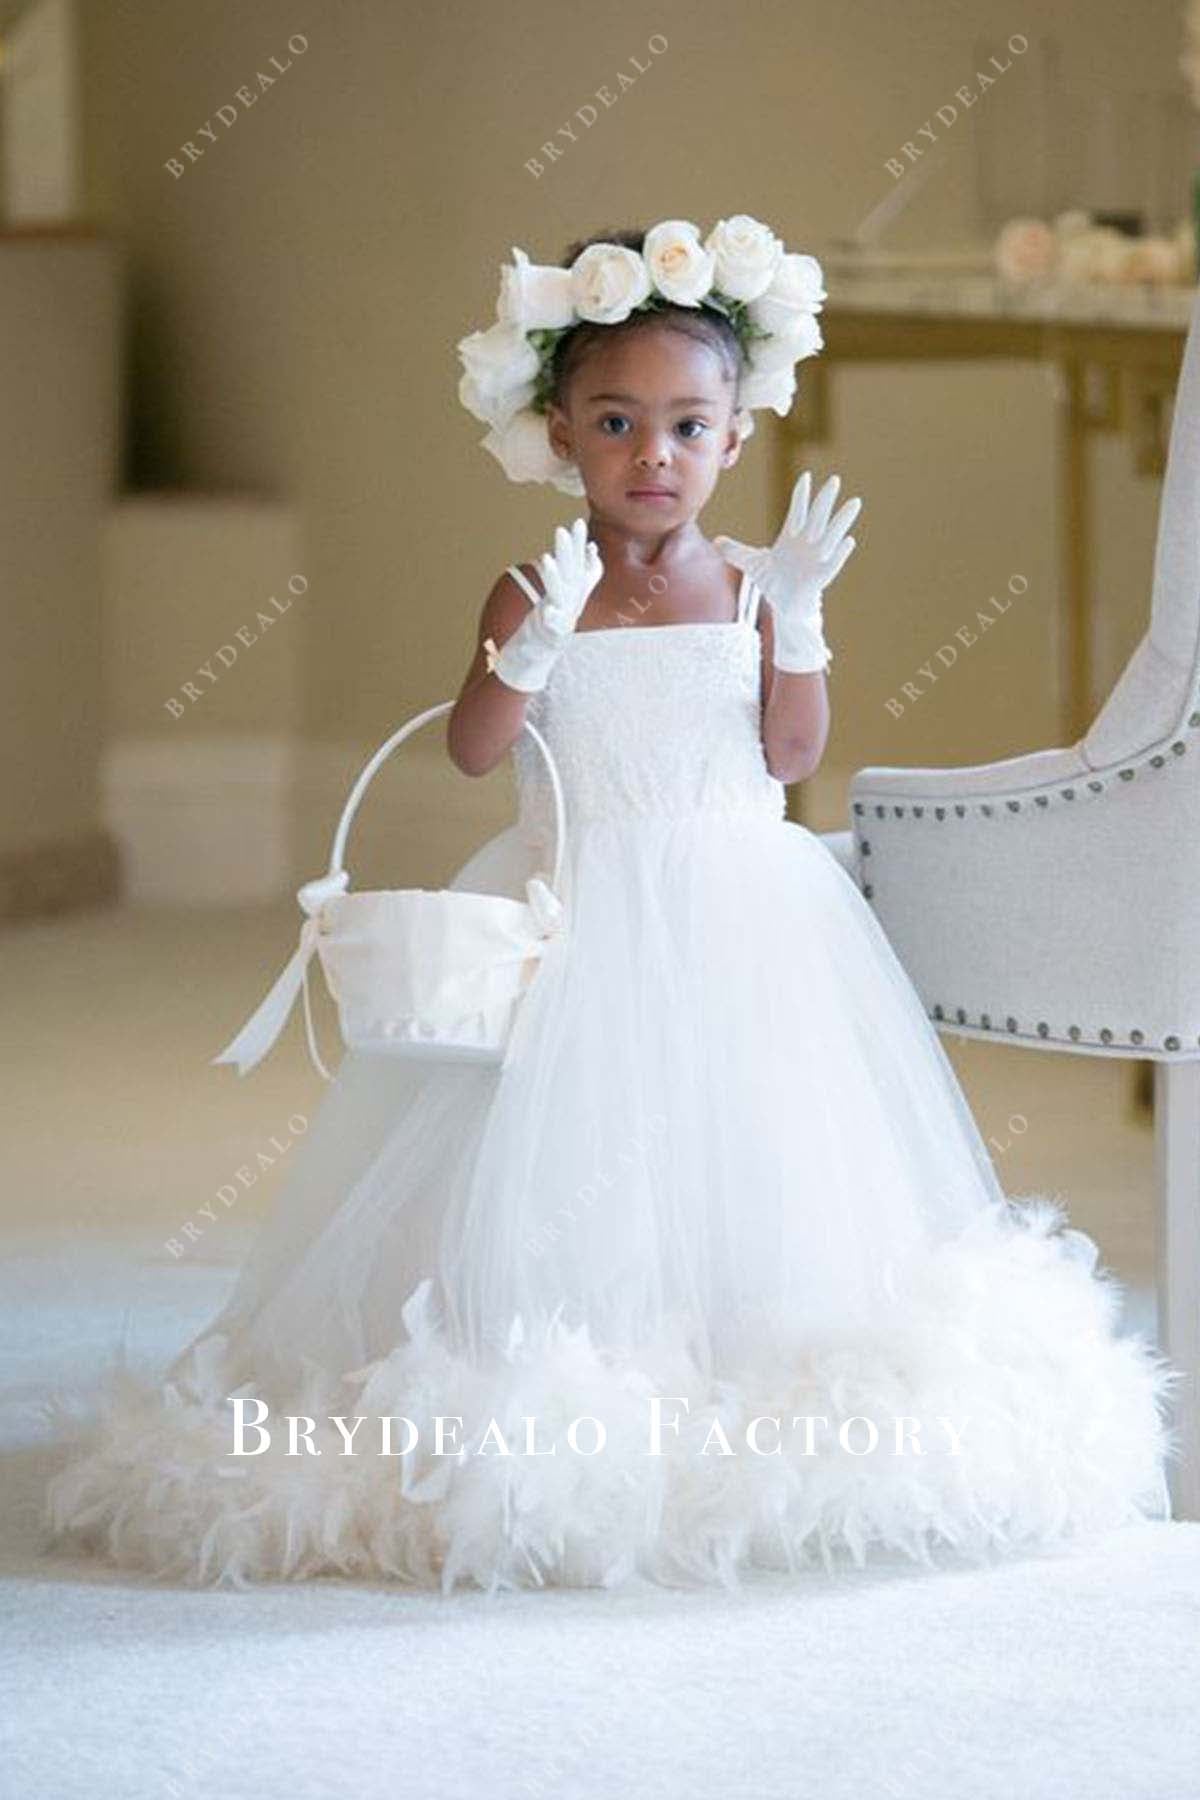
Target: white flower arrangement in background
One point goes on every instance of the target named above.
(770, 296)
(1075, 249)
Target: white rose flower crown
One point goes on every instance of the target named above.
(770, 297)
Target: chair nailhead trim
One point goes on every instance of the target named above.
(1074, 1032)
(1095, 786)
(1105, 1035)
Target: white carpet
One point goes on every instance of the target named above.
(1074, 1678)
(1052, 1678)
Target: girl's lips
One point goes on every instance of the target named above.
(650, 494)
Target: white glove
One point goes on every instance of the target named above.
(809, 552)
(525, 659)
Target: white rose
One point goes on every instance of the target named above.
(522, 448)
(1070, 224)
(1111, 251)
(1093, 255)
(499, 369)
(607, 282)
(494, 406)
(746, 254)
(1184, 242)
(1150, 259)
(1027, 249)
(680, 267)
(775, 388)
(797, 336)
(534, 296)
(798, 288)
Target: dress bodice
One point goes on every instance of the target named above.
(651, 720)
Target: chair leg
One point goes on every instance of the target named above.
(1177, 1183)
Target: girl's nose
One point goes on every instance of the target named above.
(653, 451)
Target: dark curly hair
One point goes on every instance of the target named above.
(574, 343)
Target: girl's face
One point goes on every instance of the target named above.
(651, 409)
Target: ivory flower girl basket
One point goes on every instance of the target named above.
(438, 973)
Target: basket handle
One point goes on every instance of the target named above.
(259, 1032)
(338, 852)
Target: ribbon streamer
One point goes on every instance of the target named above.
(264, 1025)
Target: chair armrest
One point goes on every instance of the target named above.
(1013, 775)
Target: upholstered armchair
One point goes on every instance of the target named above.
(1053, 899)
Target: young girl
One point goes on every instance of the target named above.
(716, 1271)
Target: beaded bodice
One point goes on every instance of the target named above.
(646, 720)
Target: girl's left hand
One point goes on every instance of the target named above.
(811, 550)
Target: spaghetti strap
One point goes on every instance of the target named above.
(524, 582)
(747, 609)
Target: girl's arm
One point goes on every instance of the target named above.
(526, 638)
(795, 711)
(488, 714)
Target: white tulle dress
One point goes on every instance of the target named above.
(731, 1176)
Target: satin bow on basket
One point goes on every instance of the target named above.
(545, 905)
(264, 1025)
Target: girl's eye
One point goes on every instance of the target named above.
(620, 420)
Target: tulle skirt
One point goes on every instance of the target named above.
(716, 1273)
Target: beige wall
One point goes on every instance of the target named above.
(297, 295)
(59, 306)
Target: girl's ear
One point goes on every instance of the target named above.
(740, 427)
(559, 433)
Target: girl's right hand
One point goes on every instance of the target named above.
(568, 576)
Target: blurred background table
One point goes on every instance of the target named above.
(1116, 352)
